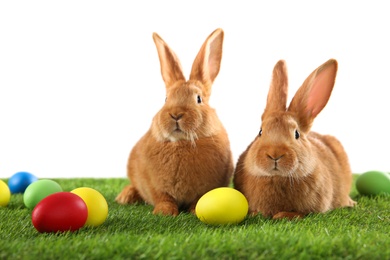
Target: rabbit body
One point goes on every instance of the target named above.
(289, 171)
(186, 152)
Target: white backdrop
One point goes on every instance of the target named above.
(80, 80)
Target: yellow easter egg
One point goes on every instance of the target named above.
(5, 194)
(222, 206)
(96, 204)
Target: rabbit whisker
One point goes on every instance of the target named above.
(238, 171)
(291, 179)
(192, 137)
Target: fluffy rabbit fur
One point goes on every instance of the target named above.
(186, 152)
(289, 171)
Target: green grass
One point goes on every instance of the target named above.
(132, 232)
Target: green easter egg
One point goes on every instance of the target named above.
(39, 190)
(373, 183)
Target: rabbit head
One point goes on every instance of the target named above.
(186, 114)
(282, 147)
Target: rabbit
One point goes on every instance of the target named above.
(289, 171)
(186, 151)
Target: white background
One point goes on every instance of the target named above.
(80, 80)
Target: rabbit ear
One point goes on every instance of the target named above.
(207, 63)
(277, 94)
(314, 94)
(171, 69)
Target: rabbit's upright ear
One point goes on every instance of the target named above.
(207, 63)
(314, 94)
(171, 69)
(277, 94)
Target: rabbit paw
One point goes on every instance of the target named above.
(129, 195)
(166, 208)
(288, 215)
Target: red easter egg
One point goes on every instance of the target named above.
(60, 212)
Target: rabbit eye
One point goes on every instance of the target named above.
(260, 132)
(297, 134)
(199, 99)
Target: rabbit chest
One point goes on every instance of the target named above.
(187, 170)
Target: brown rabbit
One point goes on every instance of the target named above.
(289, 171)
(186, 152)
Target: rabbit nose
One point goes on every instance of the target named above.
(176, 117)
(275, 158)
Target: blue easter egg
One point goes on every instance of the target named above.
(20, 181)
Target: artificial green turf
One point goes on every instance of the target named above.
(132, 232)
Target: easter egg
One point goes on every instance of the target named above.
(222, 206)
(373, 183)
(60, 212)
(38, 190)
(5, 194)
(96, 204)
(20, 181)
